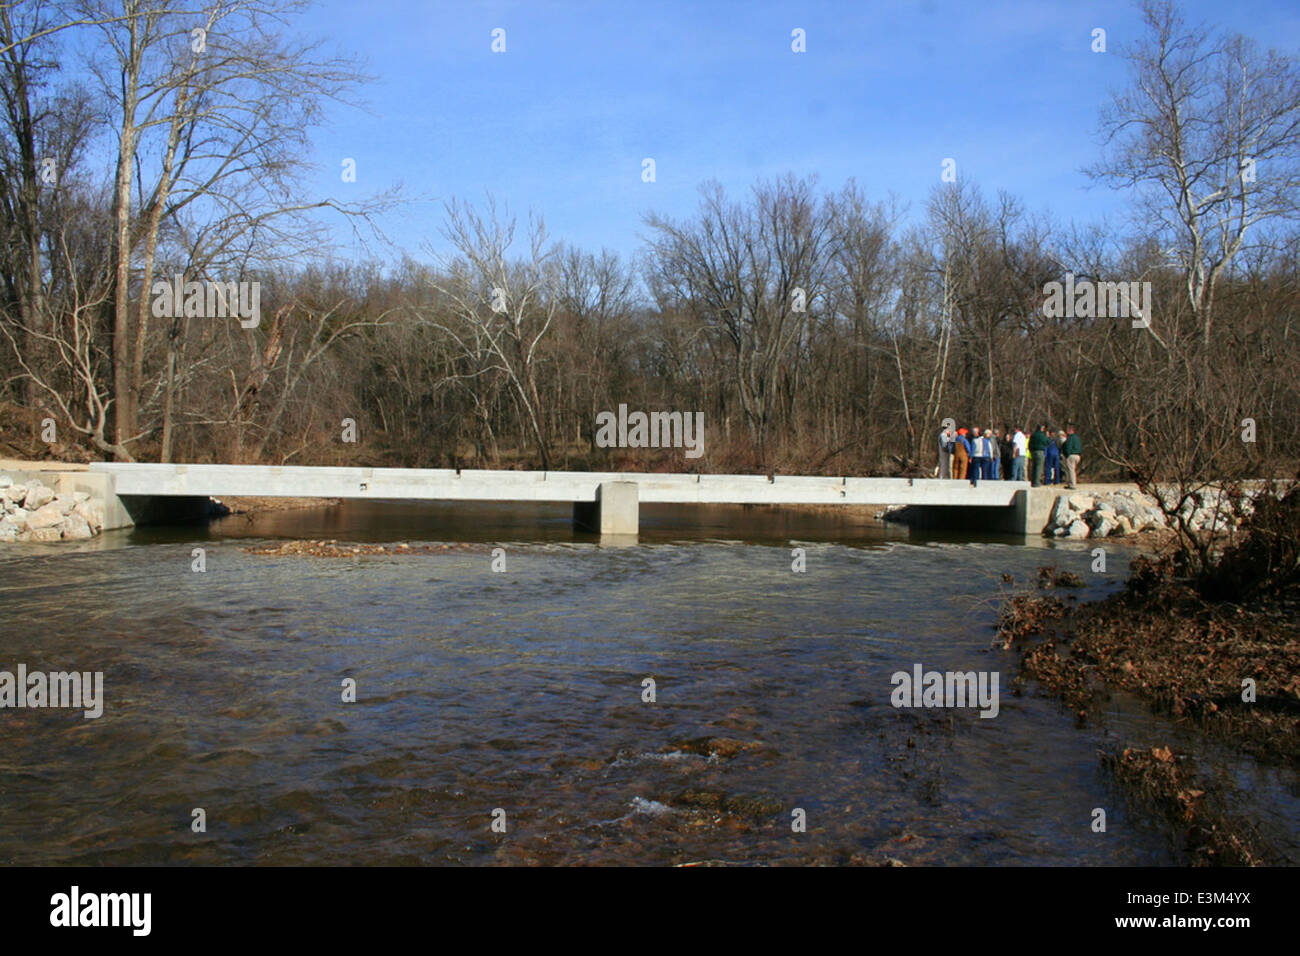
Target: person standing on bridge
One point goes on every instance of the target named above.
(960, 455)
(1073, 451)
(1052, 460)
(981, 457)
(1038, 442)
(947, 441)
(1019, 452)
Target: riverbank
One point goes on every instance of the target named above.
(1219, 653)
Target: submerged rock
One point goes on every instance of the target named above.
(724, 747)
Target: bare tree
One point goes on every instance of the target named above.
(212, 102)
(749, 272)
(500, 309)
(1209, 131)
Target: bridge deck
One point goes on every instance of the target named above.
(434, 484)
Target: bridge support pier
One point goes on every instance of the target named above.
(616, 510)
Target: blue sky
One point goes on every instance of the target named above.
(561, 121)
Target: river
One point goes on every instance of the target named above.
(516, 697)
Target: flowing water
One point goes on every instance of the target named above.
(516, 696)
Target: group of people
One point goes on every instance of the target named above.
(1008, 454)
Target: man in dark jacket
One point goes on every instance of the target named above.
(1072, 451)
(1052, 459)
(1038, 452)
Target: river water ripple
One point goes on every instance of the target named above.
(521, 691)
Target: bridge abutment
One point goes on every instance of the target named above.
(1027, 514)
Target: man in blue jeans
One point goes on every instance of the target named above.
(976, 456)
(1052, 459)
(1020, 448)
(984, 446)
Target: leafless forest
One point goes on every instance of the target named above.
(821, 327)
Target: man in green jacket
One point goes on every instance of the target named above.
(1072, 451)
(1037, 453)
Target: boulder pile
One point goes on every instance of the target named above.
(33, 512)
(1128, 512)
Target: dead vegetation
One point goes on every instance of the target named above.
(1217, 650)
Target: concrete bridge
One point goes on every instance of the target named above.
(604, 502)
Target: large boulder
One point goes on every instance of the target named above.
(1061, 513)
(37, 496)
(1124, 506)
(66, 503)
(47, 516)
(1079, 529)
(41, 534)
(74, 527)
(9, 530)
(1103, 527)
(92, 512)
(1146, 517)
(1083, 502)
